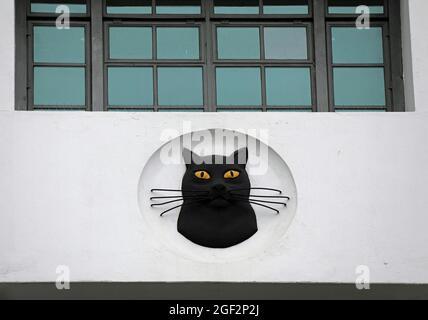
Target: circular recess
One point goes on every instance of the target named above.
(265, 167)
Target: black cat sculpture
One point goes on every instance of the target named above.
(216, 211)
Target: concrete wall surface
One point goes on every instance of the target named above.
(69, 189)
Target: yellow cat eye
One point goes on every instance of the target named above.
(202, 175)
(231, 174)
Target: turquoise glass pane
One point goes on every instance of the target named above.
(129, 6)
(288, 110)
(288, 86)
(130, 110)
(59, 45)
(46, 6)
(359, 87)
(236, 7)
(59, 86)
(130, 86)
(353, 10)
(178, 43)
(178, 6)
(180, 86)
(238, 86)
(351, 45)
(285, 7)
(286, 43)
(350, 6)
(361, 110)
(238, 43)
(181, 110)
(130, 42)
(240, 110)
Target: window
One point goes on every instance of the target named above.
(208, 55)
(128, 7)
(59, 67)
(154, 66)
(49, 7)
(348, 7)
(358, 68)
(270, 64)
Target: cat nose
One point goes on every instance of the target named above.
(219, 188)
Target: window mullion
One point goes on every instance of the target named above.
(97, 54)
(321, 70)
(396, 60)
(21, 41)
(209, 59)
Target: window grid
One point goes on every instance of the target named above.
(264, 63)
(154, 63)
(33, 65)
(385, 66)
(318, 22)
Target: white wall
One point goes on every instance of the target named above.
(69, 189)
(69, 195)
(415, 48)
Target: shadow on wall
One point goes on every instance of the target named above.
(409, 92)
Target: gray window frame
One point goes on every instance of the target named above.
(263, 63)
(31, 65)
(154, 62)
(319, 39)
(385, 66)
(50, 15)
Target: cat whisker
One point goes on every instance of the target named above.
(269, 197)
(172, 201)
(264, 189)
(181, 205)
(259, 204)
(174, 190)
(165, 203)
(174, 197)
(261, 201)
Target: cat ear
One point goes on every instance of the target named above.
(191, 158)
(187, 157)
(240, 157)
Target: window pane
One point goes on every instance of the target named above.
(239, 110)
(178, 7)
(285, 7)
(130, 86)
(359, 86)
(180, 86)
(350, 6)
(130, 42)
(351, 45)
(286, 43)
(288, 110)
(59, 86)
(50, 6)
(178, 43)
(236, 6)
(360, 110)
(288, 86)
(129, 6)
(238, 86)
(182, 110)
(59, 45)
(238, 43)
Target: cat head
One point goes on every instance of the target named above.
(216, 176)
(216, 200)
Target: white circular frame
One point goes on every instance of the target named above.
(272, 227)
